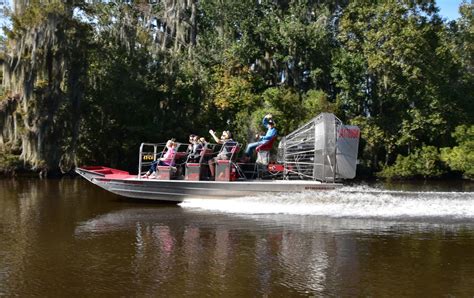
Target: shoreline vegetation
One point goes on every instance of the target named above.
(87, 82)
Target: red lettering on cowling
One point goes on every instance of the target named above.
(351, 133)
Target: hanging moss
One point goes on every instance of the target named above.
(39, 68)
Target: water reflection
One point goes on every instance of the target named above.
(208, 252)
(221, 255)
(306, 260)
(192, 249)
(64, 237)
(269, 259)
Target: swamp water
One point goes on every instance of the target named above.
(68, 237)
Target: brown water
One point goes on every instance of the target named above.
(67, 237)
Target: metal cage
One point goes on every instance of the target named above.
(323, 149)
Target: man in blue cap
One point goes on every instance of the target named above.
(270, 135)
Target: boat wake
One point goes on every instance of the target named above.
(350, 202)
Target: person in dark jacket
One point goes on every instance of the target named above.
(195, 149)
(226, 152)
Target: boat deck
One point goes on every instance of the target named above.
(105, 173)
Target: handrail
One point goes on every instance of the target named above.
(233, 152)
(155, 146)
(140, 155)
(309, 152)
(204, 151)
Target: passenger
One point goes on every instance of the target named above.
(195, 153)
(204, 146)
(271, 133)
(166, 160)
(190, 146)
(227, 143)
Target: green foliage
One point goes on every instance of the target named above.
(373, 141)
(233, 86)
(316, 102)
(461, 157)
(397, 68)
(289, 108)
(9, 162)
(424, 162)
(139, 71)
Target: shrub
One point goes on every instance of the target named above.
(424, 162)
(9, 163)
(461, 158)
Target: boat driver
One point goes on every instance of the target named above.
(270, 135)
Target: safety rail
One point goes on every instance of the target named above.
(227, 169)
(322, 149)
(207, 151)
(154, 152)
(151, 152)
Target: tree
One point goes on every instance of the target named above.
(395, 67)
(44, 69)
(461, 157)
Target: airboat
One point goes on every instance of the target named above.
(317, 156)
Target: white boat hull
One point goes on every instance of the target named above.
(178, 190)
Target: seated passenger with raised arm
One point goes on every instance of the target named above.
(227, 145)
(270, 135)
(166, 160)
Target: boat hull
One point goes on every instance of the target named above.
(179, 190)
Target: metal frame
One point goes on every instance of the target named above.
(156, 154)
(310, 151)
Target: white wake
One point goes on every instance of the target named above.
(351, 202)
